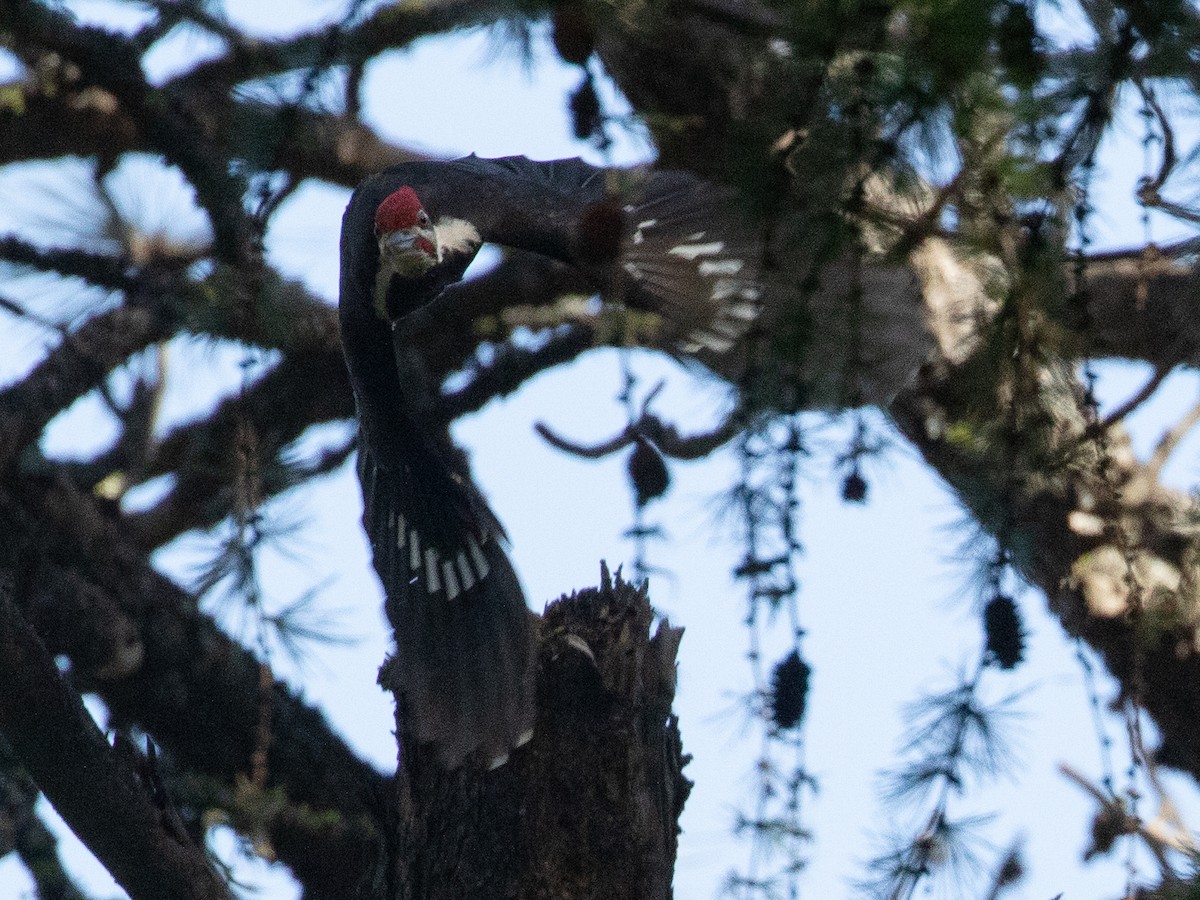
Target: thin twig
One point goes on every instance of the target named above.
(1169, 158)
(1156, 835)
(1170, 440)
(665, 436)
(1142, 395)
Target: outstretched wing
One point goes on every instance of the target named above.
(463, 667)
(692, 258)
(686, 250)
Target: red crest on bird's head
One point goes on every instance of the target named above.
(398, 210)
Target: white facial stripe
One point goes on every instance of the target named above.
(456, 236)
(414, 551)
(399, 256)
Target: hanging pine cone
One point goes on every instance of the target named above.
(854, 487)
(1003, 632)
(647, 471)
(789, 691)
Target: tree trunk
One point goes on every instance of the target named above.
(587, 809)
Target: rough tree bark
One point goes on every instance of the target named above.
(590, 806)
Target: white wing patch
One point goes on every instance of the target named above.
(695, 262)
(691, 251)
(481, 563)
(727, 288)
(451, 579)
(455, 573)
(465, 572)
(746, 312)
(639, 235)
(433, 580)
(702, 340)
(721, 266)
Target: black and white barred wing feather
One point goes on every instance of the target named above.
(695, 260)
(465, 652)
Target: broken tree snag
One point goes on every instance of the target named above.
(590, 806)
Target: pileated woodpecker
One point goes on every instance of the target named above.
(662, 240)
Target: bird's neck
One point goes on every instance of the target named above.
(382, 280)
(370, 357)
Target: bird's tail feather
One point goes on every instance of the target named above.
(464, 663)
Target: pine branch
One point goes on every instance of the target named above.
(1170, 440)
(23, 832)
(303, 390)
(1083, 569)
(512, 367)
(191, 687)
(90, 121)
(450, 329)
(112, 62)
(79, 364)
(387, 28)
(1141, 304)
(104, 271)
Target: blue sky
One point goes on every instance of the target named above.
(885, 602)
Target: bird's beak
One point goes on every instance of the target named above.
(409, 245)
(406, 252)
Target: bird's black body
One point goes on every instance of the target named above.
(464, 665)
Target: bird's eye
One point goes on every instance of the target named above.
(423, 218)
